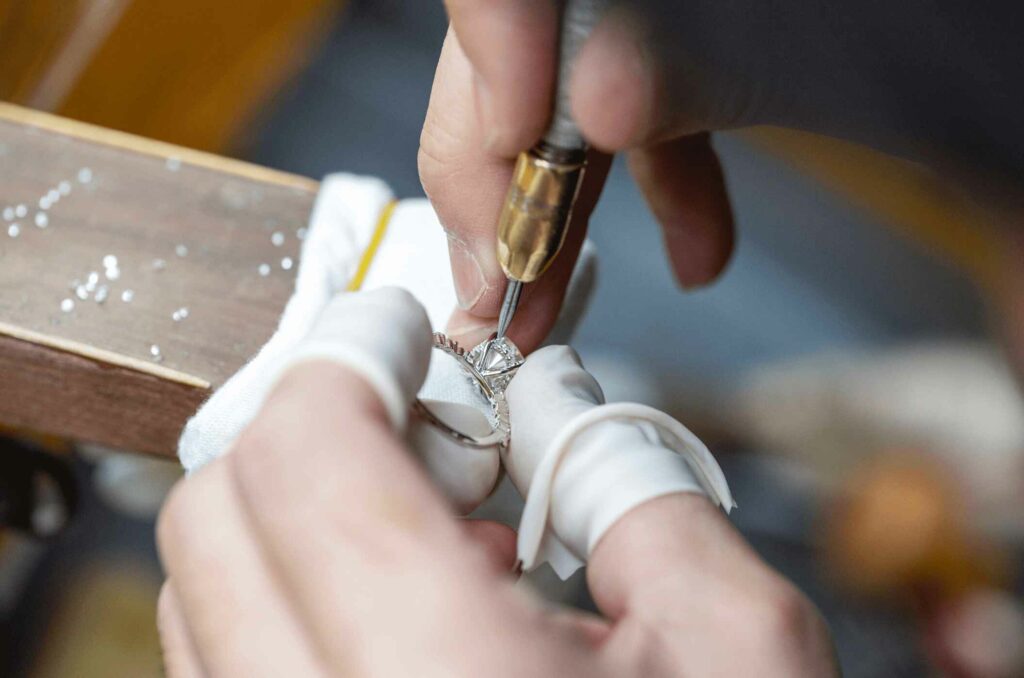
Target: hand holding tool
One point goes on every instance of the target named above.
(547, 178)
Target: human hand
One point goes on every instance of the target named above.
(319, 547)
(933, 80)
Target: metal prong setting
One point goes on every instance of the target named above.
(497, 360)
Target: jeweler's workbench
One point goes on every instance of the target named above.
(134, 277)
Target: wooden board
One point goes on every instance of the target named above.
(89, 373)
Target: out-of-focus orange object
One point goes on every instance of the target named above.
(191, 72)
(897, 527)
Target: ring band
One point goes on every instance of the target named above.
(495, 438)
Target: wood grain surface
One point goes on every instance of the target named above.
(188, 231)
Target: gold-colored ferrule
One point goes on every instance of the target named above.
(533, 221)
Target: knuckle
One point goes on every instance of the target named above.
(252, 461)
(443, 144)
(784, 618)
(433, 163)
(264, 450)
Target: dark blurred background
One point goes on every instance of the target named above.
(852, 369)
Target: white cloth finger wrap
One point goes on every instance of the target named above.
(583, 464)
(382, 335)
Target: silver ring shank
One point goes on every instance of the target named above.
(496, 437)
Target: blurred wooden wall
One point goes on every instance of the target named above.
(191, 72)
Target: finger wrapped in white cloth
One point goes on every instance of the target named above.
(582, 464)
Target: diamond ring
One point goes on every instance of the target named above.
(490, 367)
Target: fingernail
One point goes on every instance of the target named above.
(696, 257)
(470, 283)
(692, 284)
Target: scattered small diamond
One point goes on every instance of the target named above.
(181, 250)
(101, 294)
(42, 221)
(110, 268)
(277, 239)
(68, 305)
(286, 263)
(159, 264)
(44, 203)
(53, 195)
(92, 280)
(180, 314)
(84, 175)
(154, 351)
(14, 230)
(82, 292)
(173, 164)
(127, 296)
(9, 213)
(21, 211)
(300, 233)
(264, 270)
(64, 187)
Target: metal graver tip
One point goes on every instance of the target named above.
(508, 306)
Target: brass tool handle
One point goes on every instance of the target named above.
(533, 221)
(546, 179)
